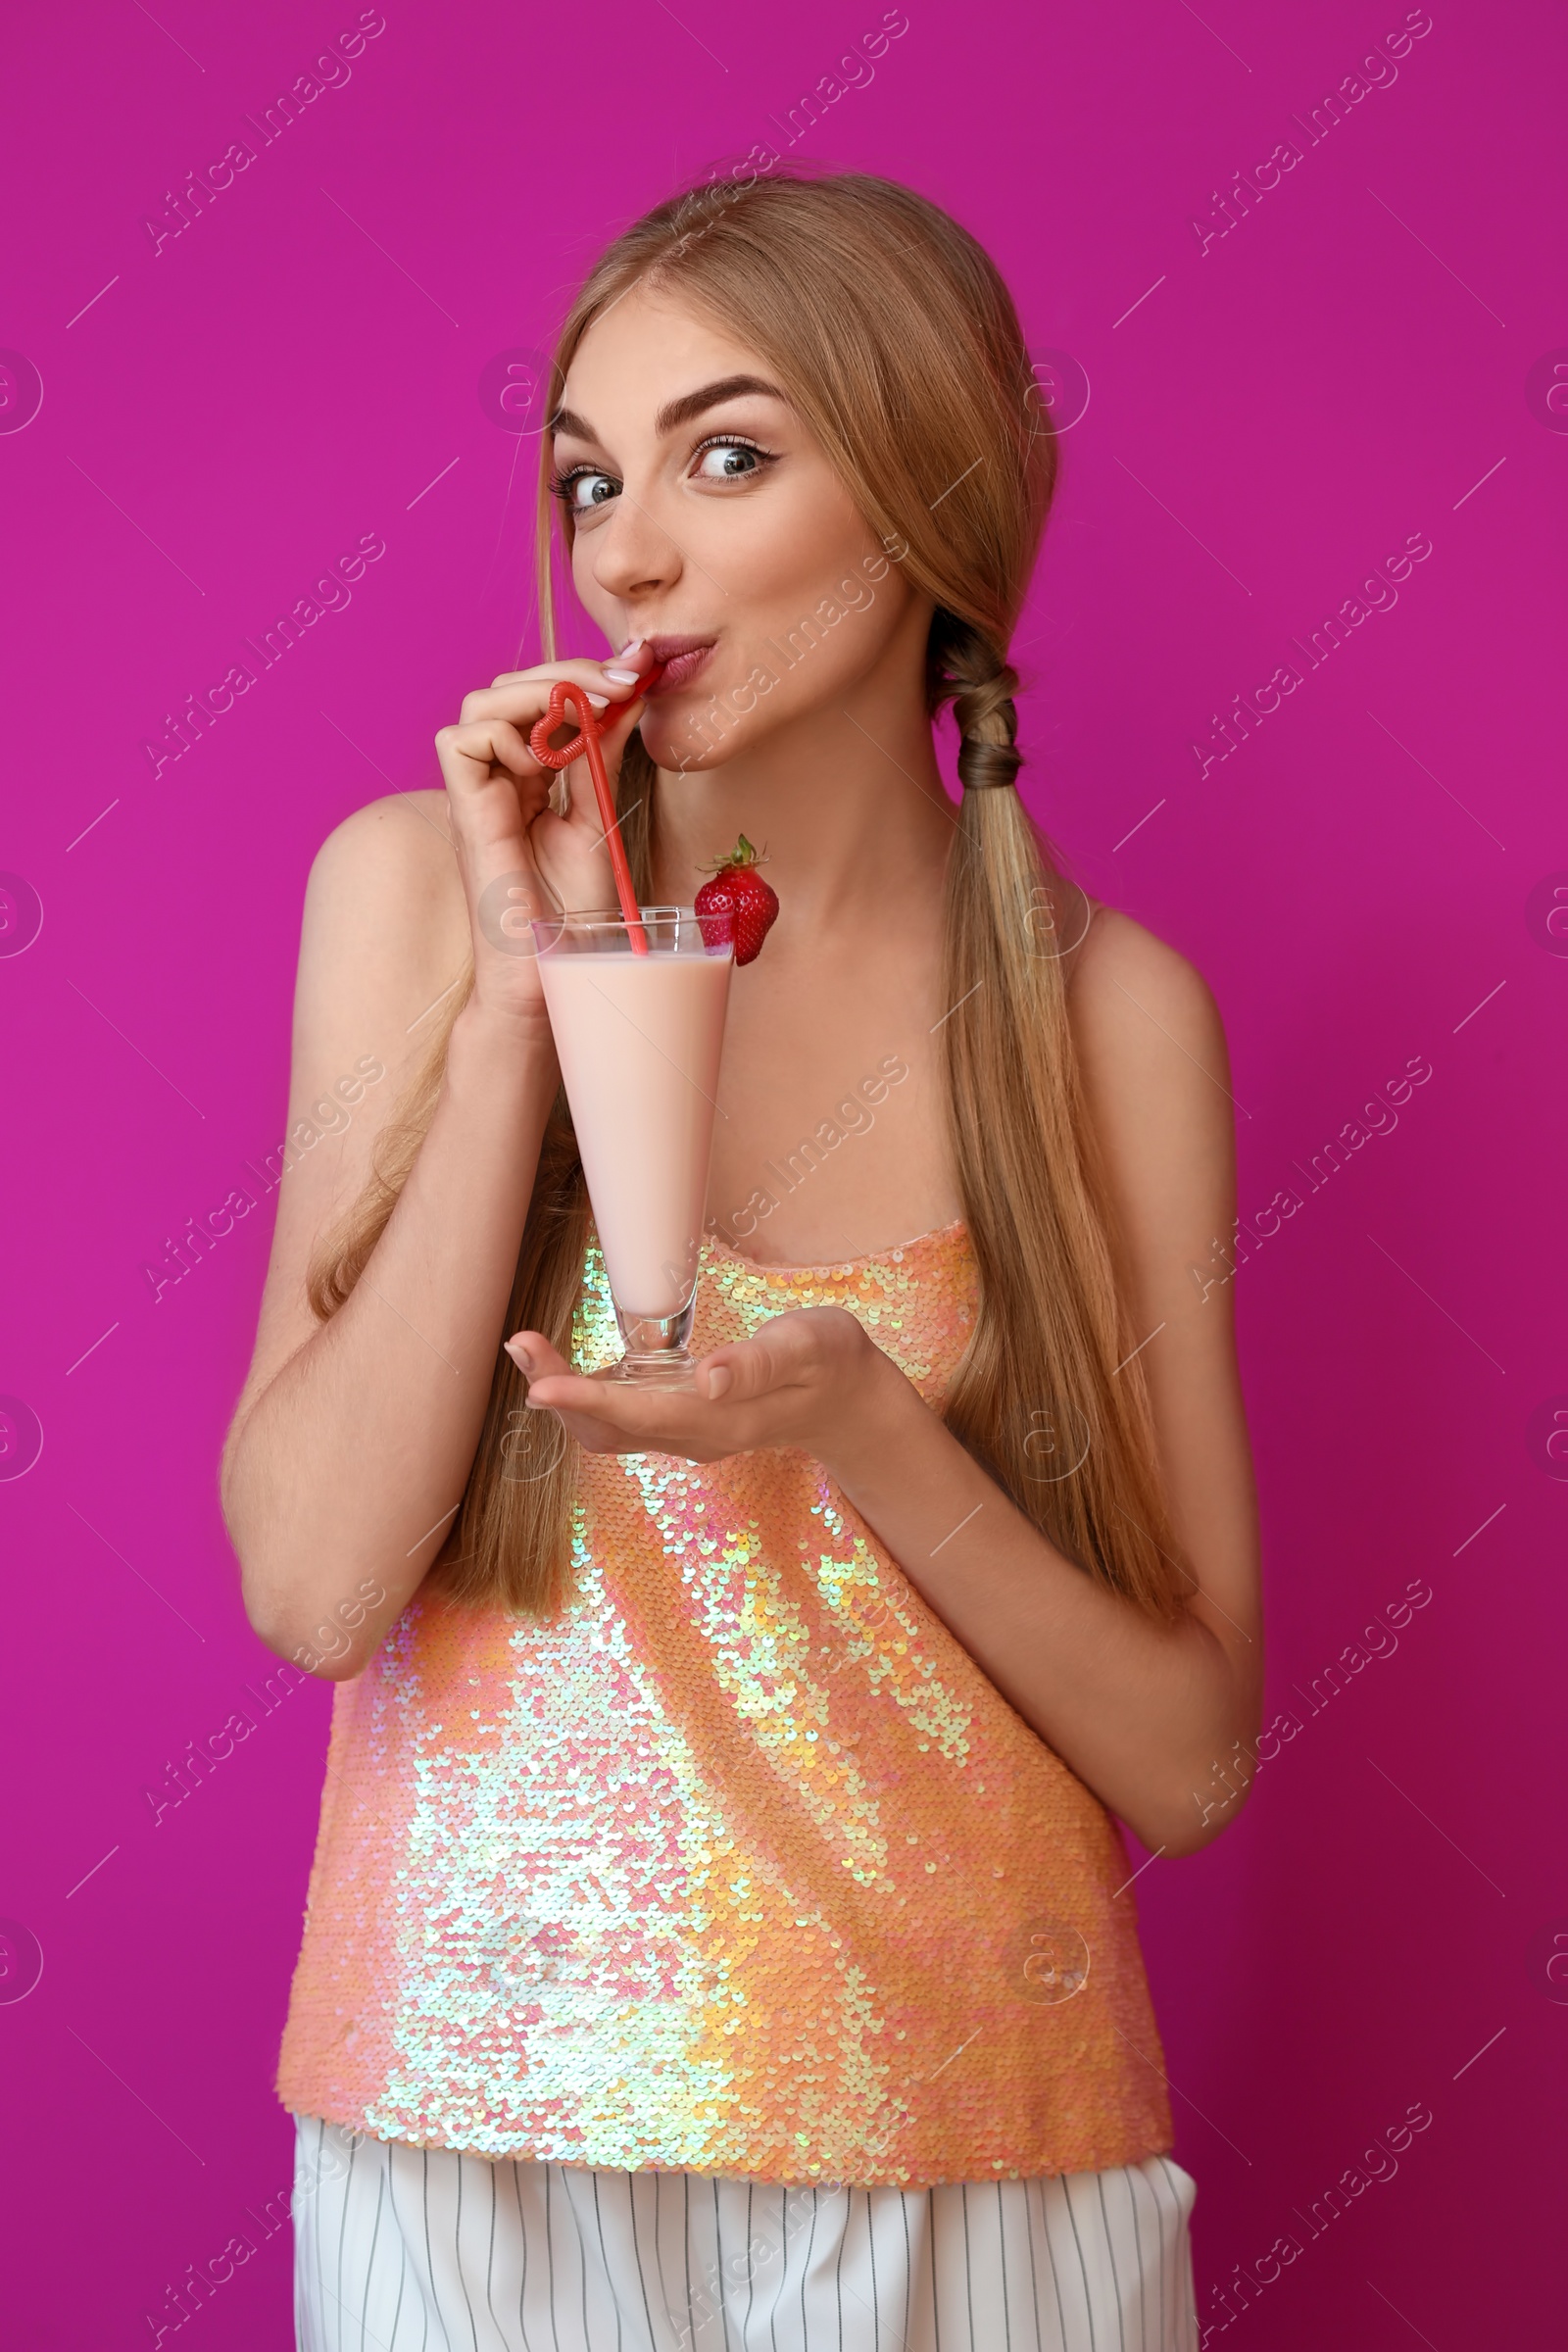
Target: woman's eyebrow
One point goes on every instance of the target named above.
(693, 404)
(676, 411)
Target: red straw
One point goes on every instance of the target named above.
(585, 745)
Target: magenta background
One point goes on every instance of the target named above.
(1316, 387)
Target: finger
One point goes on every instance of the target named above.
(770, 1359)
(545, 673)
(635, 656)
(468, 752)
(524, 698)
(536, 1359)
(494, 783)
(632, 666)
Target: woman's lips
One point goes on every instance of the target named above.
(681, 662)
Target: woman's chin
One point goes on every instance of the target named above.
(672, 747)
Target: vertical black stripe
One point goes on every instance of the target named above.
(604, 2270)
(838, 2266)
(1002, 2240)
(718, 2263)
(1089, 2300)
(550, 2259)
(369, 2261)
(310, 2219)
(751, 2266)
(784, 2263)
(817, 2206)
(1110, 2256)
(908, 2259)
(1034, 2275)
(316, 2233)
(658, 2248)
(490, 2259)
(876, 2299)
(931, 2228)
(457, 2246)
(1159, 2216)
(429, 2264)
(523, 2232)
(1132, 2177)
(1047, 2185)
(631, 2208)
(342, 2229)
(299, 2266)
(403, 2243)
(582, 2258)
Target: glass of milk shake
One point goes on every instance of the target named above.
(638, 1018)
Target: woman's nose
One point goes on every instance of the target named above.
(633, 553)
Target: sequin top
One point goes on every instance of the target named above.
(742, 1865)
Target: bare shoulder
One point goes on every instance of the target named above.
(397, 849)
(1136, 1002)
(383, 912)
(1152, 1054)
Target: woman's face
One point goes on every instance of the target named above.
(707, 520)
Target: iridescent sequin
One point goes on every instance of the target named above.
(742, 1865)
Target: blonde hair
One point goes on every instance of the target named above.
(895, 338)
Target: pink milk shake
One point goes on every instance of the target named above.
(639, 1040)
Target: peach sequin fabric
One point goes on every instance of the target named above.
(742, 1865)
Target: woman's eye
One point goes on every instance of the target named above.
(727, 462)
(585, 490)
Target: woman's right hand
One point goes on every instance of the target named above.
(517, 856)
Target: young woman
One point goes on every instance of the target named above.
(718, 1933)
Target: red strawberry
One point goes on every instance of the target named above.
(737, 889)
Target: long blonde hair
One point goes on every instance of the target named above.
(895, 338)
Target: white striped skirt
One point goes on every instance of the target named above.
(429, 2250)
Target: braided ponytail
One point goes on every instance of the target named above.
(1037, 1396)
(963, 670)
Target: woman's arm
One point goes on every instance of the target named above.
(1144, 1714)
(351, 1441)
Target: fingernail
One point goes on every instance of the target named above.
(519, 1354)
(622, 677)
(601, 702)
(630, 647)
(719, 1378)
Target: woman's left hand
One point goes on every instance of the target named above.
(808, 1378)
